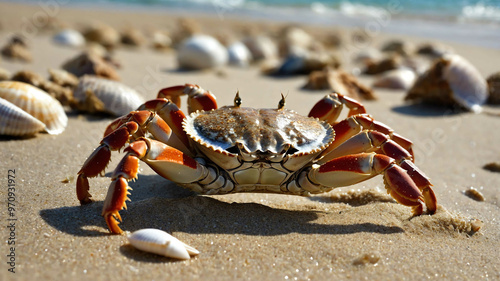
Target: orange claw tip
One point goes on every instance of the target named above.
(113, 223)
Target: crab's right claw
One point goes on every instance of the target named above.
(198, 98)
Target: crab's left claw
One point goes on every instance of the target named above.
(164, 159)
(405, 183)
(198, 98)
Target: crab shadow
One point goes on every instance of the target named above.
(161, 204)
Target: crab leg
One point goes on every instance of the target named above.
(165, 160)
(130, 126)
(198, 98)
(329, 108)
(405, 187)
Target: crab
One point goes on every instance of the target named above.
(239, 149)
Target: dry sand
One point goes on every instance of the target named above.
(351, 233)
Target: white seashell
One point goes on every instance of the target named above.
(468, 85)
(17, 122)
(239, 54)
(451, 80)
(116, 98)
(161, 243)
(37, 103)
(69, 37)
(396, 79)
(201, 52)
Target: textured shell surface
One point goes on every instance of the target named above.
(200, 52)
(69, 37)
(37, 103)
(264, 130)
(468, 85)
(118, 98)
(160, 242)
(17, 122)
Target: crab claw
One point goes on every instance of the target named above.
(198, 98)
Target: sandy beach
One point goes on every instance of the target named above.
(351, 233)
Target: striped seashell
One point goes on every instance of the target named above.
(16, 122)
(36, 103)
(161, 243)
(94, 94)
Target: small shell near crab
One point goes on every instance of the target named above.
(451, 80)
(36, 103)
(161, 243)
(94, 94)
(401, 78)
(70, 38)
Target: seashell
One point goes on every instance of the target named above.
(17, 49)
(434, 49)
(451, 80)
(91, 63)
(161, 40)
(293, 36)
(63, 78)
(69, 37)
(239, 54)
(399, 47)
(305, 62)
(385, 64)
(474, 194)
(261, 47)
(63, 95)
(17, 122)
(401, 78)
(368, 54)
(339, 81)
(186, 27)
(94, 94)
(161, 243)
(37, 103)
(494, 88)
(132, 37)
(102, 34)
(201, 52)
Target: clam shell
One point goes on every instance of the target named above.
(37, 103)
(161, 243)
(451, 80)
(17, 122)
(201, 52)
(69, 37)
(113, 97)
(396, 79)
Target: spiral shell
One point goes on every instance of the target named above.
(94, 94)
(36, 103)
(159, 242)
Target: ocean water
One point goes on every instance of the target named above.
(484, 11)
(475, 22)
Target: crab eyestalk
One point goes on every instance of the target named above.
(237, 99)
(281, 104)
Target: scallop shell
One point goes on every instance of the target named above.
(94, 94)
(69, 37)
(37, 103)
(239, 54)
(201, 52)
(161, 243)
(16, 122)
(396, 79)
(451, 80)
